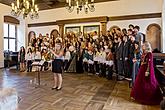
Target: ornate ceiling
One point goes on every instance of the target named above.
(49, 4)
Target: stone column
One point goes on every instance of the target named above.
(103, 27)
(61, 30)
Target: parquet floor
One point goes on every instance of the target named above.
(79, 92)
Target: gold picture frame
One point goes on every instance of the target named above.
(74, 29)
(90, 29)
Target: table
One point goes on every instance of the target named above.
(38, 64)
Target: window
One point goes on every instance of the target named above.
(10, 37)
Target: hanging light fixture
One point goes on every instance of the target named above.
(88, 5)
(26, 7)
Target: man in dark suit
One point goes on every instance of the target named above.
(119, 58)
(125, 56)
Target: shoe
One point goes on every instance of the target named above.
(59, 88)
(53, 88)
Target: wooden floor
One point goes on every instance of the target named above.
(79, 92)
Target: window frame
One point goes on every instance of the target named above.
(9, 37)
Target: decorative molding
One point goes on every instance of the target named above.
(83, 20)
(42, 24)
(138, 16)
(98, 19)
(10, 19)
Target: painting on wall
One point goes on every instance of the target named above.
(91, 29)
(75, 30)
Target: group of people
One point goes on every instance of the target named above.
(121, 51)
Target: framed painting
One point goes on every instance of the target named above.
(75, 30)
(91, 29)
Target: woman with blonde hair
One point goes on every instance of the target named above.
(146, 88)
(57, 65)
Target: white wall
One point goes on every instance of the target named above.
(21, 33)
(112, 8)
(5, 10)
(143, 23)
(2, 13)
(43, 29)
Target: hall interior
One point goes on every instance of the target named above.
(56, 18)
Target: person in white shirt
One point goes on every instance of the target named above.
(67, 58)
(47, 37)
(29, 46)
(102, 62)
(95, 36)
(37, 56)
(29, 58)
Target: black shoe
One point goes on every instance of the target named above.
(53, 88)
(59, 88)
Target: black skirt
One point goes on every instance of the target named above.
(57, 66)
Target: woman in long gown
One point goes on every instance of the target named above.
(146, 89)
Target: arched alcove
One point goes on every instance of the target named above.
(153, 35)
(54, 33)
(30, 35)
(113, 27)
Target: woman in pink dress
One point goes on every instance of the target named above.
(146, 88)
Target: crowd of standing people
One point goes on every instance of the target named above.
(119, 51)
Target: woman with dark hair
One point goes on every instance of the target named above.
(57, 66)
(21, 57)
(146, 88)
(136, 61)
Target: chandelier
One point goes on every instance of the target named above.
(27, 7)
(88, 5)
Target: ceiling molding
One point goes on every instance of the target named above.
(42, 24)
(137, 16)
(83, 20)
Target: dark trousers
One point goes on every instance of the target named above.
(45, 65)
(96, 65)
(115, 64)
(29, 66)
(91, 68)
(130, 68)
(103, 69)
(66, 62)
(126, 68)
(120, 67)
(85, 66)
(110, 71)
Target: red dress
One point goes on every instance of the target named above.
(146, 89)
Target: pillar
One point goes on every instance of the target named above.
(61, 30)
(104, 27)
(163, 27)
